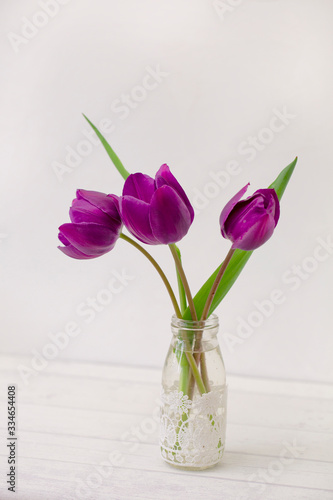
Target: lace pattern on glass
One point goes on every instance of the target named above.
(192, 433)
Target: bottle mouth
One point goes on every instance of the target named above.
(187, 324)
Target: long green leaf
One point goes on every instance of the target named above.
(114, 158)
(238, 260)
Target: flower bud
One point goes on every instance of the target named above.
(95, 226)
(250, 223)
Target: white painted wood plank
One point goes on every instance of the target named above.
(272, 412)
(102, 423)
(9, 365)
(36, 479)
(241, 440)
(59, 390)
(281, 387)
(235, 466)
(139, 398)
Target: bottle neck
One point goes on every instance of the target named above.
(195, 336)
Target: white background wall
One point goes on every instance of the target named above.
(227, 70)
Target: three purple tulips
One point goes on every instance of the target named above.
(157, 211)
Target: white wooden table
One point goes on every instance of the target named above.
(91, 431)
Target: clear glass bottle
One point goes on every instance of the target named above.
(194, 396)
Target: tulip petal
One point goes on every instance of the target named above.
(165, 177)
(83, 211)
(139, 186)
(90, 238)
(71, 251)
(271, 201)
(244, 214)
(135, 214)
(169, 216)
(229, 206)
(256, 235)
(247, 212)
(107, 203)
(63, 240)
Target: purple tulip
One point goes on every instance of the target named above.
(250, 223)
(156, 210)
(95, 226)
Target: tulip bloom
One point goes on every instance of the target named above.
(250, 223)
(156, 211)
(95, 226)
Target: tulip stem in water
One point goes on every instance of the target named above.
(158, 269)
(196, 373)
(205, 312)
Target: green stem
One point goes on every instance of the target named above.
(215, 285)
(196, 373)
(189, 355)
(186, 379)
(182, 295)
(185, 372)
(199, 358)
(158, 269)
(184, 281)
(204, 372)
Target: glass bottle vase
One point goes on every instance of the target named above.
(194, 396)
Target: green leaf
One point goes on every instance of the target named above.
(114, 158)
(238, 260)
(283, 178)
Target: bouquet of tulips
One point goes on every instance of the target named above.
(158, 212)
